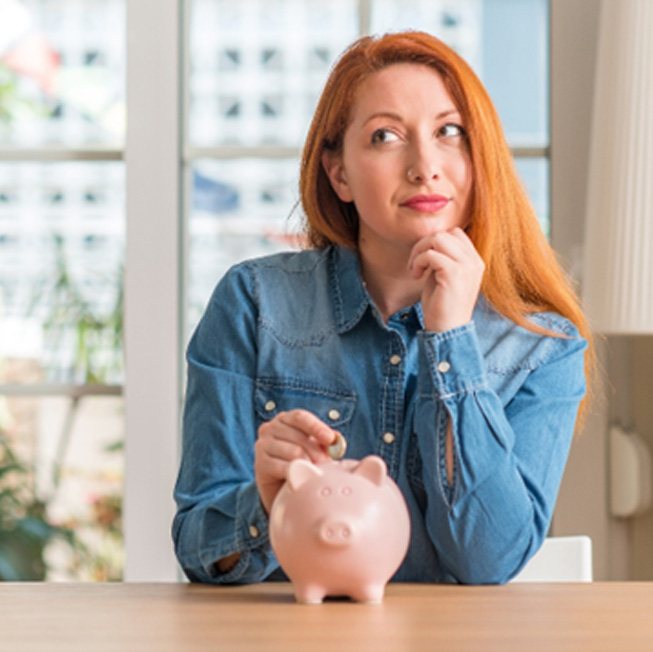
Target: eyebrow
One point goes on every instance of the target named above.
(396, 116)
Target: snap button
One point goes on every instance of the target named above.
(395, 359)
(443, 367)
(269, 406)
(253, 531)
(333, 415)
(388, 437)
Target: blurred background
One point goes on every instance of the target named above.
(246, 78)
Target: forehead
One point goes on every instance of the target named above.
(401, 86)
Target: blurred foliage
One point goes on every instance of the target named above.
(71, 314)
(102, 562)
(26, 531)
(24, 528)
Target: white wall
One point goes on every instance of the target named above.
(582, 504)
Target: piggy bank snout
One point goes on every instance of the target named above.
(336, 533)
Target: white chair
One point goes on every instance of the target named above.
(560, 559)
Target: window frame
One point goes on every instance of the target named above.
(154, 282)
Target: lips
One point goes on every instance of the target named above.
(426, 203)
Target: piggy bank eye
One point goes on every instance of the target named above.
(346, 491)
(325, 491)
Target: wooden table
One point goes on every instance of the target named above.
(182, 617)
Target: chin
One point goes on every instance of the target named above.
(432, 228)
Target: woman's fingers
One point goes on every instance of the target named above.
(301, 429)
(310, 425)
(286, 443)
(296, 434)
(444, 243)
(452, 271)
(284, 450)
(297, 429)
(431, 260)
(438, 251)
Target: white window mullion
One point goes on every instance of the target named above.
(152, 286)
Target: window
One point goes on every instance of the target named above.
(62, 71)
(256, 70)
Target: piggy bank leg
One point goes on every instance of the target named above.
(370, 594)
(309, 593)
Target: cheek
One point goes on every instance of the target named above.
(462, 176)
(371, 181)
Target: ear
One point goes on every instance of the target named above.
(301, 471)
(373, 468)
(335, 170)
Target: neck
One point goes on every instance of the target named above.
(389, 282)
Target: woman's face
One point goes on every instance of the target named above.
(405, 162)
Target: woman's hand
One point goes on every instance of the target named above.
(296, 434)
(452, 270)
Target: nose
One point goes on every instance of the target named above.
(424, 165)
(335, 533)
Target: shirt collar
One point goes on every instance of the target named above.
(348, 295)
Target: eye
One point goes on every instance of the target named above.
(381, 136)
(451, 130)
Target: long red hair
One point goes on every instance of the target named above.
(522, 274)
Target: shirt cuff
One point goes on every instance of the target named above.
(252, 539)
(450, 362)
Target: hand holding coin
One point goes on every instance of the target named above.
(338, 447)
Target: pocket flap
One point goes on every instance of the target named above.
(333, 407)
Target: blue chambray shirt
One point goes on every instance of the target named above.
(298, 330)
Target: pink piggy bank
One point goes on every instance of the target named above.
(339, 529)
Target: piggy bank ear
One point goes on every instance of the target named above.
(373, 468)
(300, 471)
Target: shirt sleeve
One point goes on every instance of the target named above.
(218, 507)
(508, 461)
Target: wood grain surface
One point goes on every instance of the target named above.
(43, 617)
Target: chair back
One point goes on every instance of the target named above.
(560, 559)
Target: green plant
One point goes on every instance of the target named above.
(103, 560)
(70, 313)
(24, 528)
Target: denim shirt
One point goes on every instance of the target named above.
(299, 330)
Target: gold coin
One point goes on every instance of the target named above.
(338, 448)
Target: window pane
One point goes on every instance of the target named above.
(459, 23)
(61, 518)
(516, 67)
(62, 71)
(61, 256)
(240, 209)
(257, 67)
(534, 173)
(252, 69)
(505, 41)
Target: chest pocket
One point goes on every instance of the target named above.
(334, 407)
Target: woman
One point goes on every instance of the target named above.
(430, 324)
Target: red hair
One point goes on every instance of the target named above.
(522, 274)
